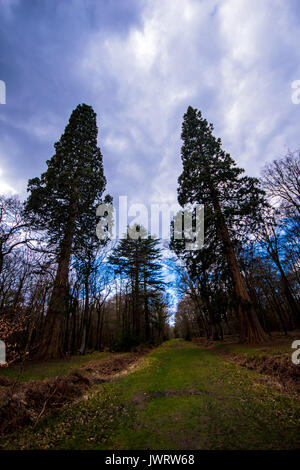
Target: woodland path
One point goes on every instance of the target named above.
(179, 396)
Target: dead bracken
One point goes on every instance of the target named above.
(25, 403)
(281, 367)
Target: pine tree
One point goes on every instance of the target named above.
(62, 203)
(139, 261)
(211, 177)
(151, 278)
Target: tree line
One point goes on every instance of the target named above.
(63, 291)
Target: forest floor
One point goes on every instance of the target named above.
(271, 359)
(177, 396)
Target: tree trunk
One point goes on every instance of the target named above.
(98, 339)
(211, 316)
(294, 307)
(146, 307)
(251, 330)
(289, 295)
(278, 309)
(137, 305)
(51, 346)
(18, 292)
(227, 324)
(85, 331)
(1, 261)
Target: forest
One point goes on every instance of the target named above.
(65, 296)
(149, 232)
(64, 292)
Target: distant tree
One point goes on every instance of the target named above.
(281, 181)
(184, 319)
(271, 238)
(233, 202)
(63, 203)
(89, 267)
(291, 255)
(203, 278)
(14, 232)
(279, 234)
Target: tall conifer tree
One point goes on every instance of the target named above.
(63, 202)
(139, 260)
(211, 177)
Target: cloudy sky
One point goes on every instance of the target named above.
(140, 63)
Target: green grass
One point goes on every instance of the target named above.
(42, 370)
(279, 345)
(180, 397)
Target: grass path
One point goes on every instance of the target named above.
(179, 397)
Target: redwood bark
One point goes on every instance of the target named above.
(51, 346)
(251, 330)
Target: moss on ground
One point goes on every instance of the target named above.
(180, 397)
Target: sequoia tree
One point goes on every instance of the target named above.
(234, 202)
(62, 203)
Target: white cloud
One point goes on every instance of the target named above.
(157, 71)
(10, 181)
(115, 143)
(5, 188)
(234, 60)
(254, 102)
